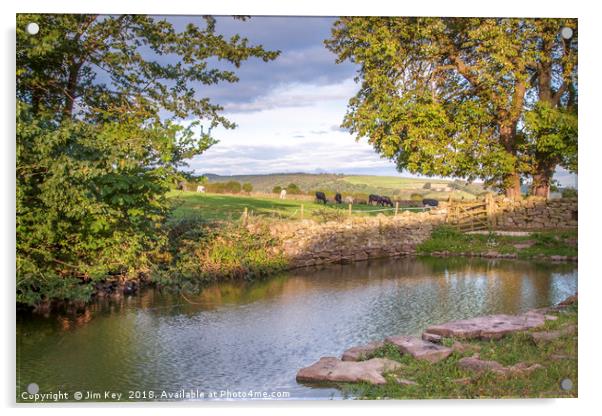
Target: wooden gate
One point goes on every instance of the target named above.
(471, 215)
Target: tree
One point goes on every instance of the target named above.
(277, 189)
(293, 189)
(247, 187)
(551, 126)
(232, 187)
(443, 96)
(100, 102)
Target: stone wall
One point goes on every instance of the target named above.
(308, 243)
(535, 213)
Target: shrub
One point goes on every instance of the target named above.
(569, 193)
(293, 189)
(247, 187)
(277, 189)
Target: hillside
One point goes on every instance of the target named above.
(396, 186)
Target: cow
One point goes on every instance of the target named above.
(321, 197)
(283, 194)
(348, 200)
(200, 189)
(427, 202)
(338, 198)
(372, 198)
(385, 200)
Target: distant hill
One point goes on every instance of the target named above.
(396, 186)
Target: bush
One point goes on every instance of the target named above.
(427, 186)
(231, 187)
(416, 197)
(569, 193)
(202, 252)
(277, 189)
(247, 187)
(293, 189)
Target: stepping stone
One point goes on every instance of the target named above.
(488, 327)
(547, 336)
(362, 351)
(419, 348)
(331, 369)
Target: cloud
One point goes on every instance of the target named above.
(296, 95)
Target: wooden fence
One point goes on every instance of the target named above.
(471, 216)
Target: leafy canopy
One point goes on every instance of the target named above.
(103, 110)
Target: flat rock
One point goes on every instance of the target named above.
(488, 327)
(360, 352)
(331, 369)
(419, 348)
(547, 336)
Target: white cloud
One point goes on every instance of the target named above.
(291, 130)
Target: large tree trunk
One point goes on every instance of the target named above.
(512, 180)
(513, 186)
(543, 178)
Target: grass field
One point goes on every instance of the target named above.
(221, 207)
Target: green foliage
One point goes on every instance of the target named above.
(230, 187)
(95, 158)
(446, 96)
(569, 193)
(247, 187)
(552, 134)
(293, 189)
(204, 252)
(277, 189)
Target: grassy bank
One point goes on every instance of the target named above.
(446, 380)
(448, 240)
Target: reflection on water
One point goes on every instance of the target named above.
(241, 336)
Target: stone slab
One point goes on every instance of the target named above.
(361, 351)
(331, 369)
(488, 327)
(419, 348)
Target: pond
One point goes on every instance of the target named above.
(240, 339)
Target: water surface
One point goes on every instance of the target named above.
(242, 337)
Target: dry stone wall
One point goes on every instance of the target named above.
(308, 243)
(535, 213)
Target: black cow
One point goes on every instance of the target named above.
(321, 197)
(338, 198)
(373, 198)
(385, 200)
(427, 202)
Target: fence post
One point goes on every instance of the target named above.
(301, 211)
(396, 207)
(245, 214)
(350, 207)
(489, 208)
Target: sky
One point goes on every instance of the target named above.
(288, 111)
